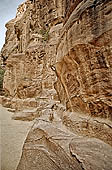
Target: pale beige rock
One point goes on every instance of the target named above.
(59, 72)
(46, 152)
(26, 115)
(92, 153)
(50, 145)
(87, 126)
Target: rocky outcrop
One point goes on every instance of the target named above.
(70, 40)
(84, 59)
(48, 153)
(58, 68)
(29, 51)
(54, 144)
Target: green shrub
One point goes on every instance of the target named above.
(45, 34)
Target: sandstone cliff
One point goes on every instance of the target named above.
(84, 59)
(30, 52)
(58, 56)
(70, 40)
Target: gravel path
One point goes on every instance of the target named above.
(12, 137)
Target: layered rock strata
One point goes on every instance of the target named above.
(84, 58)
(58, 62)
(60, 140)
(70, 40)
(29, 52)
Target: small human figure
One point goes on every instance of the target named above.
(51, 117)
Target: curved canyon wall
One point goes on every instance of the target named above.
(70, 40)
(84, 58)
(58, 59)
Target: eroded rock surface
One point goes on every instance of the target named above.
(70, 40)
(45, 152)
(58, 57)
(92, 153)
(50, 145)
(30, 52)
(84, 59)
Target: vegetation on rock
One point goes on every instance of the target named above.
(45, 34)
(1, 78)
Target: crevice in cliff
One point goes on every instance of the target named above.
(77, 158)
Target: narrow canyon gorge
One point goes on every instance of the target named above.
(57, 62)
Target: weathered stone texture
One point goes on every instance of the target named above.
(30, 50)
(39, 49)
(84, 58)
(52, 145)
(58, 56)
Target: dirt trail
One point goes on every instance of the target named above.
(12, 137)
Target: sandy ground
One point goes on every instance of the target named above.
(12, 137)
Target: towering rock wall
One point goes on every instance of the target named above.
(30, 50)
(84, 58)
(67, 39)
(66, 45)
